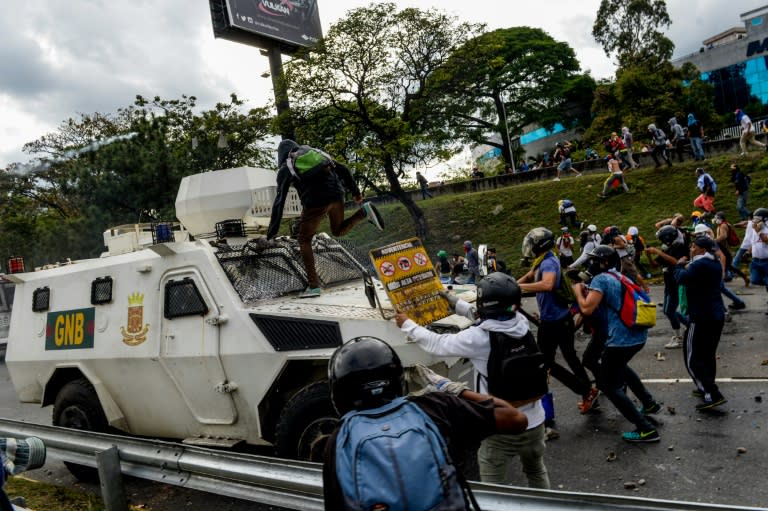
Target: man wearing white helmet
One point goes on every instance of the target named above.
(589, 239)
(638, 244)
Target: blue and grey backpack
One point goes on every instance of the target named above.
(394, 458)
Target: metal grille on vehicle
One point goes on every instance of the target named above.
(230, 229)
(286, 334)
(182, 298)
(41, 299)
(101, 291)
(261, 269)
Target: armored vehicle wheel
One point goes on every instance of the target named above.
(77, 407)
(305, 421)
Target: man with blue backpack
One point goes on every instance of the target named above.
(606, 295)
(393, 452)
(320, 182)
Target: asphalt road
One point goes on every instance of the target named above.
(709, 458)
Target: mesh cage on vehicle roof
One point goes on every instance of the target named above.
(261, 269)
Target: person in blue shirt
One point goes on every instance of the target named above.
(556, 327)
(605, 292)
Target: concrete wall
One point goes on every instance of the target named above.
(730, 145)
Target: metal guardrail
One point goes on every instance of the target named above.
(276, 482)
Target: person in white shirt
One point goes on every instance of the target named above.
(746, 242)
(474, 343)
(564, 245)
(589, 239)
(758, 270)
(747, 131)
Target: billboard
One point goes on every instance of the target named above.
(293, 24)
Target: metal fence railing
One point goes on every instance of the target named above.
(275, 482)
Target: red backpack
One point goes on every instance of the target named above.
(733, 237)
(637, 310)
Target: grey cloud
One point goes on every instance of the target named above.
(105, 56)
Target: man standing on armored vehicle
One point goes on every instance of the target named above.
(320, 182)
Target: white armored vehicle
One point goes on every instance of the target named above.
(194, 331)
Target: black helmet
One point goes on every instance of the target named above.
(364, 372)
(602, 258)
(761, 213)
(537, 241)
(496, 295)
(667, 234)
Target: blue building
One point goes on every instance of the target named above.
(735, 62)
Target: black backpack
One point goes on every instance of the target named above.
(517, 370)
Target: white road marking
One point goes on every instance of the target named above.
(718, 380)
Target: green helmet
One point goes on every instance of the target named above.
(442, 254)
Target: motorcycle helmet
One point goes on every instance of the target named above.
(537, 241)
(667, 234)
(602, 258)
(760, 214)
(364, 373)
(497, 294)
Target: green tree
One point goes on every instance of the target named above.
(631, 30)
(107, 169)
(501, 81)
(369, 75)
(638, 98)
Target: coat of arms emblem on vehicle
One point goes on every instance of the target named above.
(135, 333)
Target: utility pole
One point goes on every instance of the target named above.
(506, 131)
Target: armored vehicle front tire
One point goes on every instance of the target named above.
(305, 422)
(77, 407)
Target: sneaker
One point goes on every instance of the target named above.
(697, 393)
(589, 401)
(647, 410)
(551, 433)
(578, 174)
(310, 292)
(641, 437)
(675, 343)
(737, 306)
(710, 403)
(556, 179)
(373, 216)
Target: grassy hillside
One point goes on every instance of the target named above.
(502, 217)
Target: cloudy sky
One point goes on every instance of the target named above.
(61, 58)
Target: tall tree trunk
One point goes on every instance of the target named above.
(417, 215)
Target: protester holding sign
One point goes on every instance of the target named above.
(498, 296)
